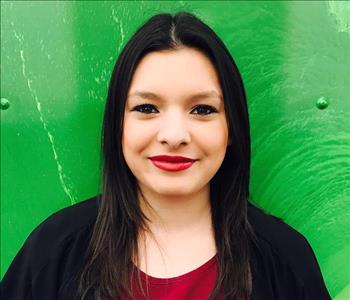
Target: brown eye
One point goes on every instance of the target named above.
(205, 110)
(144, 108)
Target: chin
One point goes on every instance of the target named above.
(172, 190)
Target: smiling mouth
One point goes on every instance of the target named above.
(172, 166)
(172, 158)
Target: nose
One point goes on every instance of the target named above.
(173, 131)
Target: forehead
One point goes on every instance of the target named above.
(185, 70)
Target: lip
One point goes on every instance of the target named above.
(172, 159)
(172, 163)
(172, 166)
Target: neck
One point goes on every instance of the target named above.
(175, 221)
(177, 214)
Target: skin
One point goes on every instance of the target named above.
(172, 125)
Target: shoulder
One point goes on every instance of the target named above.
(286, 253)
(52, 253)
(286, 242)
(69, 220)
(274, 231)
(59, 231)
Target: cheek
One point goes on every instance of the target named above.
(136, 136)
(214, 138)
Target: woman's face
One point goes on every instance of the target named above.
(175, 108)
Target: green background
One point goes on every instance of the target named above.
(56, 61)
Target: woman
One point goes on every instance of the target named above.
(174, 219)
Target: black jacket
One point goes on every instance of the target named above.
(284, 266)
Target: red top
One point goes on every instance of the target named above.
(196, 284)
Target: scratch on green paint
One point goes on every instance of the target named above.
(340, 10)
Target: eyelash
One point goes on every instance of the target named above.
(205, 106)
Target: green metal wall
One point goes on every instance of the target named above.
(56, 60)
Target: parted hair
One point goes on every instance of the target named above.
(108, 264)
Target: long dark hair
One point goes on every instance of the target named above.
(114, 239)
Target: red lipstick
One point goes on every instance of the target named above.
(172, 163)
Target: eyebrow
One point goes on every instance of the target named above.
(193, 97)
